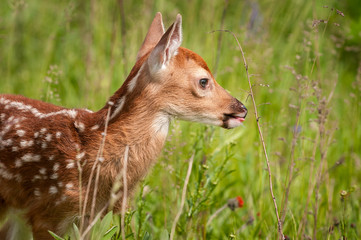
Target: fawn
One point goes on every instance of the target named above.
(42, 145)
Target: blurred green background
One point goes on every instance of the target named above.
(305, 65)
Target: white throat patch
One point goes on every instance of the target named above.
(160, 125)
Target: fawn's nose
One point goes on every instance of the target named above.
(239, 108)
(244, 109)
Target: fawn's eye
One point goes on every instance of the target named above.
(203, 82)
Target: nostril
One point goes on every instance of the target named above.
(244, 108)
(245, 111)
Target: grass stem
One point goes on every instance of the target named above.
(279, 228)
(190, 164)
(125, 189)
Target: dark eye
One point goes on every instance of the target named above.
(203, 82)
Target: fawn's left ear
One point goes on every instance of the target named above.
(167, 47)
(155, 32)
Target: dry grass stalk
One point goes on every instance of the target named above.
(92, 223)
(311, 185)
(215, 214)
(98, 158)
(310, 190)
(323, 143)
(219, 42)
(124, 201)
(279, 228)
(123, 32)
(80, 170)
(190, 164)
(301, 90)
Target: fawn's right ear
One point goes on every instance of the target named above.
(155, 32)
(167, 47)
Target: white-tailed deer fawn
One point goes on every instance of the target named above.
(41, 144)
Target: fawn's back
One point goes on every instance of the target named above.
(39, 144)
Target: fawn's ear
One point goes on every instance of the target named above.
(167, 47)
(155, 32)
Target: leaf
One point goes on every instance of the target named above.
(55, 236)
(77, 234)
(102, 227)
(147, 236)
(110, 233)
(106, 221)
(129, 235)
(232, 138)
(164, 235)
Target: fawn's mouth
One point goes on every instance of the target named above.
(233, 120)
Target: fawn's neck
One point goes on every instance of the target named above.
(135, 119)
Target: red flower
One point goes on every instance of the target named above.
(240, 201)
(234, 203)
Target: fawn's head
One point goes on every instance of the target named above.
(182, 82)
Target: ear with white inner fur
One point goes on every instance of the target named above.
(155, 33)
(167, 47)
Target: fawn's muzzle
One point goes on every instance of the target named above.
(236, 117)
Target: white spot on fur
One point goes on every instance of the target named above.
(48, 137)
(70, 164)
(15, 149)
(77, 146)
(95, 127)
(72, 113)
(43, 130)
(56, 167)
(18, 177)
(69, 186)
(53, 190)
(44, 145)
(29, 157)
(58, 134)
(20, 133)
(42, 171)
(54, 176)
(7, 142)
(36, 177)
(80, 126)
(5, 174)
(36, 134)
(118, 107)
(51, 157)
(18, 163)
(37, 192)
(24, 143)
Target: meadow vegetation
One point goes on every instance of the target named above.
(304, 63)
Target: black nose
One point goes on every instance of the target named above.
(245, 110)
(239, 107)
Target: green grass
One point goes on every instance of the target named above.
(83, 51)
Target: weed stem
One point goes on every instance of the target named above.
(280, 233)
(190, 164)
